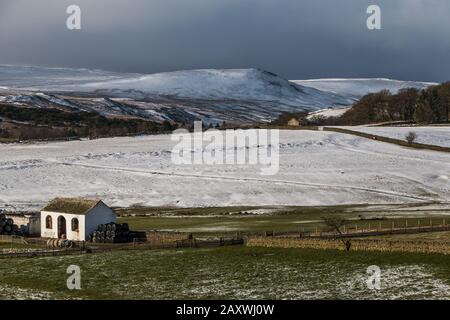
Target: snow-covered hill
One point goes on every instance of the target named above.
(237, 95)
(356, 88)
(234, 84)
(211, 84)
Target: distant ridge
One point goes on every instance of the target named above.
(358, 87)
(212, 95)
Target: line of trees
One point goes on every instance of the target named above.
(21, 123)
(430, 105)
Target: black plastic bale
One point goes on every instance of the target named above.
(112, 233)
(119, 240)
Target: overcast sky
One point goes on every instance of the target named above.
(297, 39)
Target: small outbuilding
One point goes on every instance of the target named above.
(293, 122)
(29, 223)
(74, 218)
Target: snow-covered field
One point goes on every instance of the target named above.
(316, 168)
(439, 136)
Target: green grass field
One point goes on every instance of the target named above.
(229, 220)
(239, 272)
(229, 273)
(15, 245)
(260, 223)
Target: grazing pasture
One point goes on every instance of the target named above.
(229, 273)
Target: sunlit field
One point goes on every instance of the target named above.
(229, 273)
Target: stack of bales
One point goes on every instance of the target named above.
(112, 233)
(7, 226)
(60, 243)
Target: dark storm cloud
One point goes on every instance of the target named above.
(296, 38)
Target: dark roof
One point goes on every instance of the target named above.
(71, 205)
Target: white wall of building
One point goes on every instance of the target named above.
(87, 223)
(79, 235)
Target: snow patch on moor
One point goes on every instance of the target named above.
(439, 136)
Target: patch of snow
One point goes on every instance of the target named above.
(439, 135)
(328, 113)
(15, 293)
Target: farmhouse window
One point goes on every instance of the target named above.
(48, 222)
(75, 224)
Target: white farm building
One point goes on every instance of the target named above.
(74, 218)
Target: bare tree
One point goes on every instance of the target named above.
(335, 224)
(411, 137)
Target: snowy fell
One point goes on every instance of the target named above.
(236, 95)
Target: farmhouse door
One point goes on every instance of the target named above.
(62, 228)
